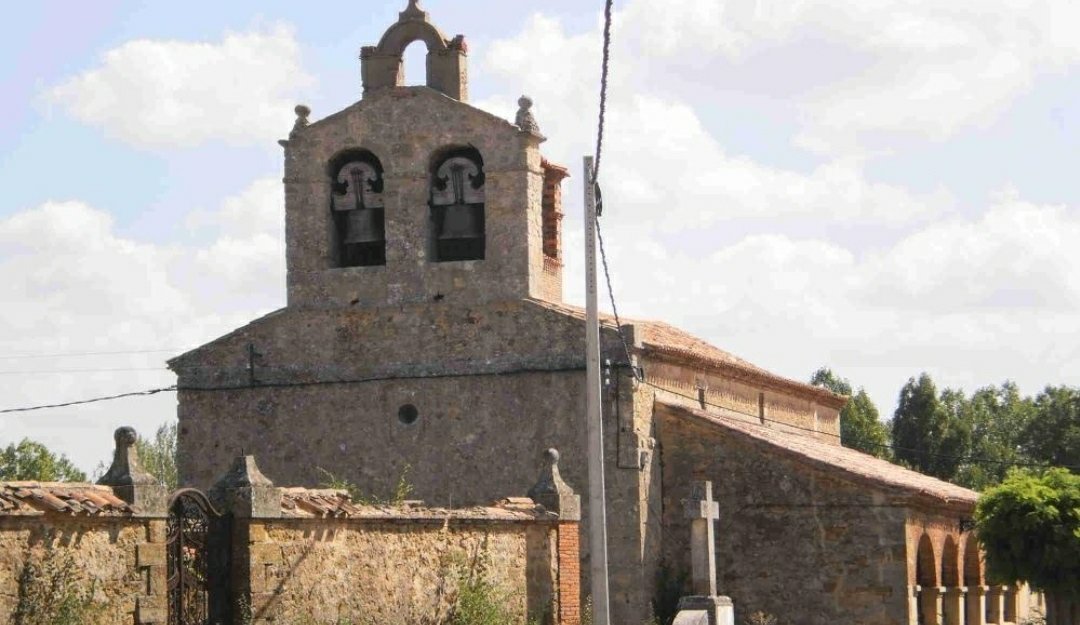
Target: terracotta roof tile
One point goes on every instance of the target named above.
(37, 498)
(843, 461)
(664, 340)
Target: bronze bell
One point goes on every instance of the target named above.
(459, 222)
(363, 226)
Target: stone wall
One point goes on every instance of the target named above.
(398, 571)
(791, 541)
(118, 561)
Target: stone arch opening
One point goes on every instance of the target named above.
(926, 564)
(414, 69)
(382, 66)
(950, 563)
(357, 208)
(973, 574)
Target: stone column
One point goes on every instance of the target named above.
(930, 605)
(556, 496)
(952, 611)
(995, 605)
(130, 482)
(246, 497)
(975, 611)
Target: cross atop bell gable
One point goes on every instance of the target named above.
(382, 66)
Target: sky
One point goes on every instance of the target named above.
(884, 187)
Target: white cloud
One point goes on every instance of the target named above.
(162, 94)
(862, 76)
(75, 285)
(661, 164)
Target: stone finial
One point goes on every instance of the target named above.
(553, 493)
(413, 12)
(245, 492)
(525, 119)
(129, 480)
(302, 112)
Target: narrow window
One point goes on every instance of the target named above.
(357, 207)
(457, 206)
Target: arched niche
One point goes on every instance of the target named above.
(355, 177)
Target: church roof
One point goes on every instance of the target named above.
(840, 461)
(664, 341)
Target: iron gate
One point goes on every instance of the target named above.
(198, 549)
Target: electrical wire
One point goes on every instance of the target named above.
(178, 350)
(80, 402)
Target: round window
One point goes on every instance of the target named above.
(408, 414)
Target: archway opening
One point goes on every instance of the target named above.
(414, 60)
(950, 563)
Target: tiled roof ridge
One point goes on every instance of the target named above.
(32, 498)
(849, 463)
(666, 340)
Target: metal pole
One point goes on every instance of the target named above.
(598, 566)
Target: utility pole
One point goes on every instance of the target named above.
(598, 565)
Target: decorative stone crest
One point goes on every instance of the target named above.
(302, 112)
(245, 492)
(129, 480)
(525, 119)
(553, 493)
(413, 12)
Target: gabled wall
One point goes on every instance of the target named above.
(791, 541)
(406, 128)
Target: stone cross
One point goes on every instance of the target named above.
(703, 513)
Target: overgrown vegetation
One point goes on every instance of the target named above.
(670, 587)
(53, 591)
(759, 618)
(1029, 527)
(403, 488)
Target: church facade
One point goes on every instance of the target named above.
(425, 335)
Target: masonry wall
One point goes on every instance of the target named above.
(120, 559)
(791, 541)
(398, 571)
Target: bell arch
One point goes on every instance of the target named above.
(457, 199)
(382, 66)
(357, 209)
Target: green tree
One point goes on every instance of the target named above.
(158, 454)
(860, 424)
(30, 460)
(928, 432)
(1053, 434)
(1029, 526)
(997, 418)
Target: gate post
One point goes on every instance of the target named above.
(246, 496)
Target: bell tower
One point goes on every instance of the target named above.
(412, 195)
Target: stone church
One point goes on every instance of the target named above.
(425, 335)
